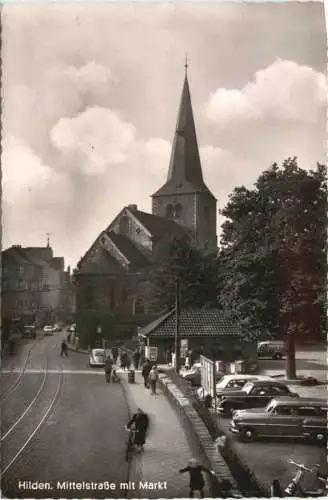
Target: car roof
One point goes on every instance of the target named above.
(300, 401)
(267, 382)
(99, 350)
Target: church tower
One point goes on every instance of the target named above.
(185, 198)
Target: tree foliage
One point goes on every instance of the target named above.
(274, 251)
(198, 273)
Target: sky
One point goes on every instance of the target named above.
(91, 95)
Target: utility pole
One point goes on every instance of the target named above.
(177, 326)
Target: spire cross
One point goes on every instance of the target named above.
(186, 64)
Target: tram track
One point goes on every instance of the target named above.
(27, 440)
(11, 388)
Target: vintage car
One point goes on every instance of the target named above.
(29, 331)
(97, 357)
(255, 394)
(274, 349)
(283, 417)
(232, 383)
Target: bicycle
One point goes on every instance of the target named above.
(293, 488)
(130, 443)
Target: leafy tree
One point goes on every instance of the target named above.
(198, 273)
(274, 254)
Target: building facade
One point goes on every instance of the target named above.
(112, 277)
(35, 285)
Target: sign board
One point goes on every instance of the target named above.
(183, 348)
(151, 353)
(207, 373)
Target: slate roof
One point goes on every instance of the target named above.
(158, 226)
(193, 323)
(129, 250)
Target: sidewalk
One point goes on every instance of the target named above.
(167, 448)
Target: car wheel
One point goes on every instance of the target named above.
(320, 438)
(248, 434)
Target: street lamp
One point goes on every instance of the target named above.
(177, 325)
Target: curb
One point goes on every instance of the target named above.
(200, 431)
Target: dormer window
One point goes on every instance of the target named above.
(177, 210)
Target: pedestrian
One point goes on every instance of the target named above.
(108, 368)
(145, 372)
(153, 377)
(140, 421)
(124, 359)
(69, 338)
(136, 359)
(63, 349)
(128, 362)
(114, 353)
(196, 482)
(115, 377)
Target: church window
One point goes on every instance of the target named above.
(169, 210)
(177, 210)
(124, 225)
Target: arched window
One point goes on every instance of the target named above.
(169, 210)
(124, 225)
(178, 210)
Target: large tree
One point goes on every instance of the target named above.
(274, 254)
(197, 271)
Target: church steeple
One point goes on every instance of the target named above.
(185, 196)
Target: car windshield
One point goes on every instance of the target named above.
(98, 353)
(223, 382)
(248, 387)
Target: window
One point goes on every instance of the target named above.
(278, 389)
(259, 391)
(283, 410)
(236, 383)
(308, 411)
(169, 211)
(178, 210)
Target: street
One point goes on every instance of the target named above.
(61, 424)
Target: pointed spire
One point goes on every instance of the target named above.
(185, 162)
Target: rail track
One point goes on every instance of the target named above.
(14, 385)
(28, 439)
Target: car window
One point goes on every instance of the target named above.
(248, 387)
(259, 391)
(284, 410)
(98, 353)
(278, 389)
(236, 383)
(308, 411)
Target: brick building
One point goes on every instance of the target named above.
(112, 278)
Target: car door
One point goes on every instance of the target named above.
(285, 422)
(258, 397)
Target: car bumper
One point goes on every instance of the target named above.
(94, 363)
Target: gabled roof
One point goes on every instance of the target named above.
(193, 323)
(185, 171)
(103, 264)
(158, 226)
(129, 250)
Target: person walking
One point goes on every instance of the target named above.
(196, 482)
(153, 378)
(63, 349)
(114, 354)
(124, 359)
(136, 359)
(140, 421)
(108, 368)
(145, 372)
(128, 362)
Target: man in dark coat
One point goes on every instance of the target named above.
(140, 422)
(124, 359)
(196, 477)
(63, 349)
(145, 372)
(108, 368)
(136, 359)
(114, 353)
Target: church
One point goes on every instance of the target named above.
(111, 279)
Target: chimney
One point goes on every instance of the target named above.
(133, 207)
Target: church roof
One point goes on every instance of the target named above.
(204, 322)
(158, 226)
(185, 171)
(103, 264)
(129, 250)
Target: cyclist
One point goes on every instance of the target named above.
(140, 423)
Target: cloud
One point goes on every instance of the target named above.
(96, 139)
(283, 91)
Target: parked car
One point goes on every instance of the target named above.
(29, 331)
(256, 394)
(97, 357)
(231, 383)
(283, 417)
(58, 328)
(274, 349)
(48, 330)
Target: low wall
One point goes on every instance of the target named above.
(214, 458)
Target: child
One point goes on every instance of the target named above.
(196, 477)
